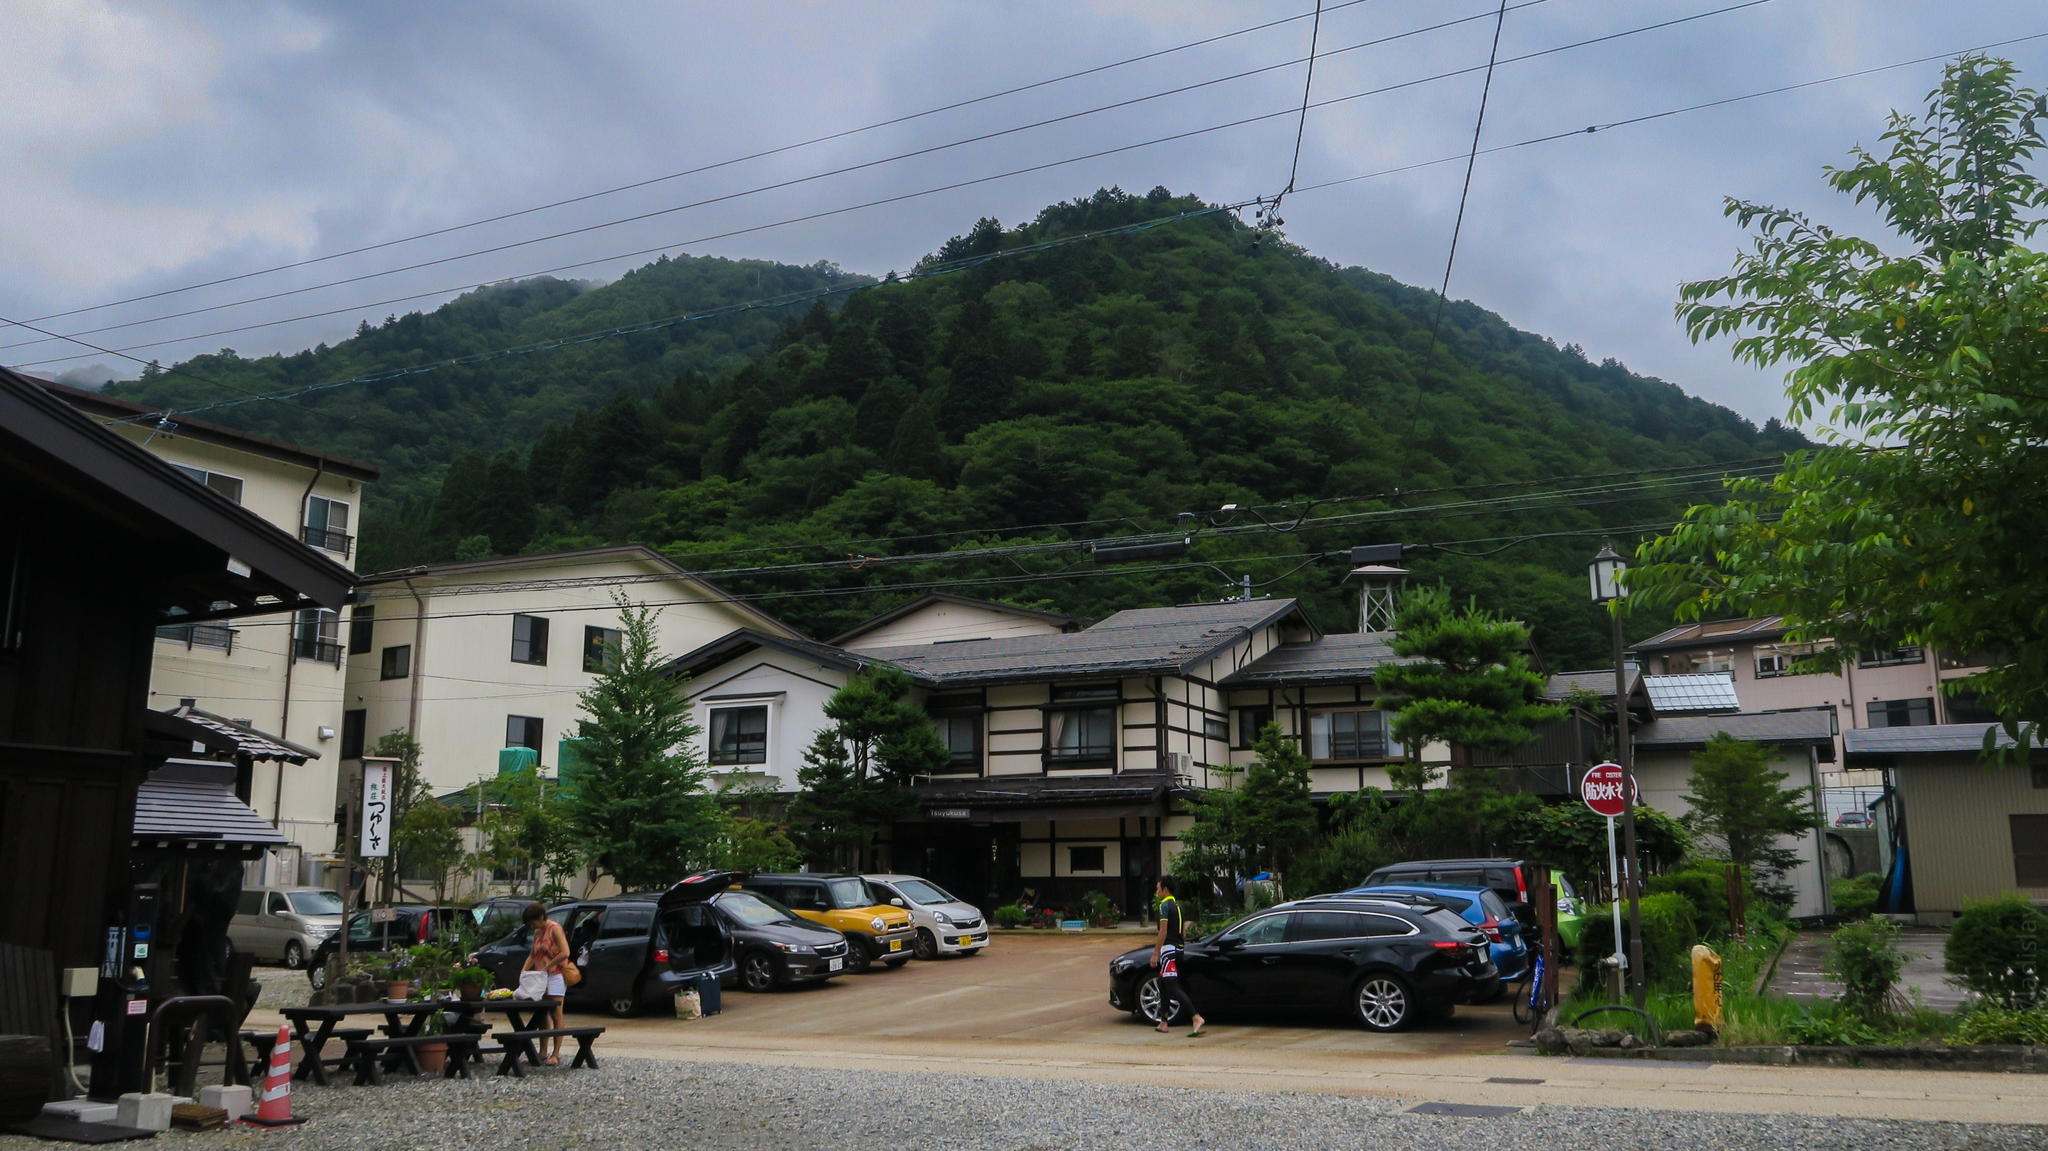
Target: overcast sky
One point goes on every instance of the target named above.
(153, 146)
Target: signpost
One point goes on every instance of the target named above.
(376, 834)
(1606, 790)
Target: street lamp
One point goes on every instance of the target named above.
(1604, 577)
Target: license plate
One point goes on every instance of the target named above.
(895, 945)
(834, 964)
(966, 939)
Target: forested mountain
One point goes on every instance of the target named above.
(1089, 390)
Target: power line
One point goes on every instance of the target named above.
(756, 190)
(1443, 294)
(663, 248)
(840, 135)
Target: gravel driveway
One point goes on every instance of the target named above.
(638, 1103)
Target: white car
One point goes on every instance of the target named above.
(286, 924)
(945, 925)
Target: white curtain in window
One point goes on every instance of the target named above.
(1319, 735)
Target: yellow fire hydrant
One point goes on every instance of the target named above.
(1706, 988)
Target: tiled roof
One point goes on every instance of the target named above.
(1714, 633)
(170, 807)
(1681, 693)
(1599, 681)
(1942, 737)
(1679, 731)
(222, 735)
(1056, 619)
(1344, 658)
(1139, 641)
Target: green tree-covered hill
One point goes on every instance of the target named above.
(1096, 389)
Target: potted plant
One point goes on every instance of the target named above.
(1008, 916)
(396, 971)
(470, 979)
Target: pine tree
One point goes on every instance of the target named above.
(1738, 799)
(637, 801)
(1467, 682)
(891, 737)
(836, 815)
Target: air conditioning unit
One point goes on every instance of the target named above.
(1180, 762)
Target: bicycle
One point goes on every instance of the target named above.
(1528, 994)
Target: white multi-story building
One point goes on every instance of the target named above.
(281, 674)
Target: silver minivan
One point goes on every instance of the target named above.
(945, 925)
(285, 924)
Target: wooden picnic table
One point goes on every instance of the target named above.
(524, 1015)
(313, 1040)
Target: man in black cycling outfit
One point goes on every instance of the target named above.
(1166, 957)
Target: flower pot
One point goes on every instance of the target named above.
(433, 1057)
(472, 991)
(398, 989)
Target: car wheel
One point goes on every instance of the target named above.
(317, 976)
(927, 945)
(294, 955)
(623, 1005)
(1383, 1002)
(1151, 1000)
(757, 971)
(857, 957)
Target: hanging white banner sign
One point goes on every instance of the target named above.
(377, 807)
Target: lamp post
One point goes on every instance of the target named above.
(1604, 573)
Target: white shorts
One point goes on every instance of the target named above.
(557, 987)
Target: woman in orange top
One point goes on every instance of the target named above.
(550, 952)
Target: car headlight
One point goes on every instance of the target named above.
(879, 924)
(797, 949)
(942, 917)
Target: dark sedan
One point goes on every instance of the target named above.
(774, 945)
(1386, 964)
(635, 950)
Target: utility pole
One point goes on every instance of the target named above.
(1605, 572)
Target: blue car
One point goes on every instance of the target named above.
(1478, 906)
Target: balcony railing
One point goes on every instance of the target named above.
(327, 539)
(317, 650)
(200, 635)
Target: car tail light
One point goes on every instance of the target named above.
(422, 929)
(1449, 945)
(661, 955)
(1521, 884)
(1492, 929)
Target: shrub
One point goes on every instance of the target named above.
(1706, 886)
(1999, 950)
(1670, 927)
(1856, 897)
(1830, 1029)
(1990, 1023)
(1865, 957)
(1008, 915)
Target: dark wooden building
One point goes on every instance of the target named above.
(100, 544)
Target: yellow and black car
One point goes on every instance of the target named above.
(875, 931)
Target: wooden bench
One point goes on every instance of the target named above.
(370, 1068)
(261, 1042)
(520, 1045)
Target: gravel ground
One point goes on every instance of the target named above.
(641, 1103)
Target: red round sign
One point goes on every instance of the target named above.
(1602, 790)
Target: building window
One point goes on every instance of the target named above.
(362, 628)
(1077, 733)
(600, 648)
(739, 735)
(1216, 727)
(397, 662)
(962, 735)
(1250, 722)
(2029, 850)
(327, 525)
(1968, 707)
(1901, 712)
(1347, 735)
(523, 731)
(1701, 662)
(1956, 661)
(354, 723)
(530, 639)
(1080, 859)
(1773, 660)
(2040, 771)
(228, 486)
(1891, 657)
(318, 636)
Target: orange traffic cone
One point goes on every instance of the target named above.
(275, 1107)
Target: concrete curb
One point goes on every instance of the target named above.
(1959, 1058)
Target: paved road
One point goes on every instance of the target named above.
(1033, 1008)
